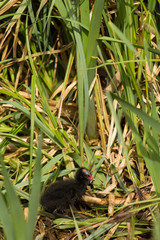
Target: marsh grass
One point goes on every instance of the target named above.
(85, 75)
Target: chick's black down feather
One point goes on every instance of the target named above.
(64, 193)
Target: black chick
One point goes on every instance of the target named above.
(60, 195)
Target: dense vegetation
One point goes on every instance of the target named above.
(79, 86)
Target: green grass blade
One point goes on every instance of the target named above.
(151, 5)
(15, 208)
(83, 101)
(76, 225)
(80, 103)
(97, 233)
(94, 31)
(85, 20)
(35, 193)
(34, 23)
(5, 219)
(64, 14)
(83, 80)
(91, 61)
(33, 83)
(51, 163)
